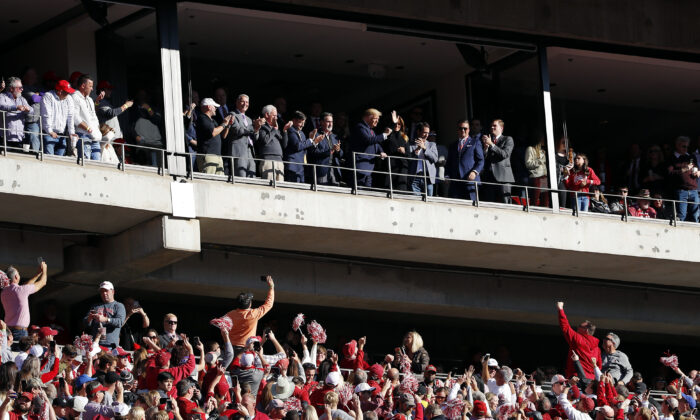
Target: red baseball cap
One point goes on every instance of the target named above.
(430, 368)
(64, 86)
(27, 395)
(377, 370)
(46, 331)
(104, 85)
(282, 363)
(99, 388)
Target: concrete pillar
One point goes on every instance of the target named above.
(549, 124)
(166, 17)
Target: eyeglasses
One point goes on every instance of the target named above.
(561, 383)
(172, 322)
(152, 337)
(18, 87)
(439, 397)
(463, 128)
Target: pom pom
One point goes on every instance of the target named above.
(670, 360)
(453, 409)
(506, 411)
(296, 324)
(345, 392)
(409, 384)
(4, 280)
(405, 365)
(224, 323)
(316, 331)
(292, 404)
(83, 343)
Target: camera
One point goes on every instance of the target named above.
(266, 332)
(256, 346)
(263, 278)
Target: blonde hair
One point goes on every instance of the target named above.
(372, 111)
(331, 398)
(161, 415)
(136, 413)
(417, 341)
(153, 398)
(310, 413)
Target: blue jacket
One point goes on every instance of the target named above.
(321, 155)
(364, 140)
(470, 158)
(297, 143)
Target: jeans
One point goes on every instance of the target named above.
(17, 334)
(90, 148)
(54, 146)
(33, 136)
(418, 186)
(689, 212)
(583, 202)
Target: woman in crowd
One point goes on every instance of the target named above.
(580, 179)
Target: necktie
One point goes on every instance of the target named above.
(461, 144)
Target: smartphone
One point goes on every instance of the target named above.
(52, 346)
(61, 382)
(234, 381)
(169, 405)
(40, 260)
(263, 278)
(163, 400)
(196, 341)
(329, 353)
(266, 332)
(256, 345)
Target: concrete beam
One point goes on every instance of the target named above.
(132, 254)
(425, 291)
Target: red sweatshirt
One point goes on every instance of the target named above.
(357, 363)
(585, 345)
(179, 372)
(579, 181)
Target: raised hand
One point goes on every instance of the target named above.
(560, 305)
(394, 117)
(286, 126)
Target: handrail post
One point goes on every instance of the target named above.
(315, 186)
(232, 177)
(527, 200)
(81, 152)
(674, 222)
(4, 135)
(425, 181)
(476, 191)
(624, 216)
(575, 213)
(161, 164)
(191, 164)
(354, 172)
(274, 174)
(123, 162)
(391, 183)
(41, 138)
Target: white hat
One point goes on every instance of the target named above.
(364, 386)
(107, 285)
(247, 360)
(79, 404)
(210, 357)
(19, 360)
(493, 363)
(37, 350)
(333, 378)
(209, 101)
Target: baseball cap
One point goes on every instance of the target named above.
(493, 363)
(333, 378)
(587, 403)
(27, 395)
(430, 368)
(408, 399)
(104, 85)
(282, 363)
(377, 370)
(64, 86)
(107, 285)
(119, 352)
(82, 380)
(672, 402)
(690, 400)
(78, 403)
(208, 102)
(46, 331)
(558, 378)
(364, 386)
(607, 411)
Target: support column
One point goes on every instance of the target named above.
(549, 125)
(166, 17)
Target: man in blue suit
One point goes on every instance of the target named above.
(363, 139)
(326, 152)
(465, 160)
(297, 145)
(424, 168)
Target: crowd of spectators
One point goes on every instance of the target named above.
(174, 375)
(281, 145)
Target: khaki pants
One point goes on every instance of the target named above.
(267, 170)
(210, 164)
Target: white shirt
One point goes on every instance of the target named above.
(56, 114)
(85, 113)
(501, 390)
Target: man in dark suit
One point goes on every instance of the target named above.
(364, 140)
(297, 145)
(497, 151)
(326, 152)
(241, 139)
(423, 169)
(270, 145)
(221, 98)
(465, 161)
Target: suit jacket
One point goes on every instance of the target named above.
(461, 162)
(321, 155)
(221, 113)
(364, 140)
(497, 165)
(297, 143)
(429, 156)
(239, 135)
(270, 142)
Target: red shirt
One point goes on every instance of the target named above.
(585, 345)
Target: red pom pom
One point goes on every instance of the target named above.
(296, 324)
(316, 331)
(345, 393)
(83, 343)
(292, 404)
(670, 360)
(4, 280)
(452, 409)
(224, 323)
(409, 384)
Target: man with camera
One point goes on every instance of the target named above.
(107, 317)
(15, 299)
(245, 319)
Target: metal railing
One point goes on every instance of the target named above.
(521, 198)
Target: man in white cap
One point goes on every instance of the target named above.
(209, 136)
(108, 315)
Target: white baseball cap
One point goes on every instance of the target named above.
(209, 101)
(364, 386)
(493, 363)
(333, 378)
(79, 403)
(107, 285)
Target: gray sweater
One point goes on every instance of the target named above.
(116, 313)
(619, 366)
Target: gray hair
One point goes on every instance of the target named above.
(682, 139)
(615, 339)
(506, 372)
(11, 273)
(242, 95)
(478, 396)
(12, 81)
(360, 377)
(268, 109)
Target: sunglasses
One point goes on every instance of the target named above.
(152, 337)
(172, 322)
